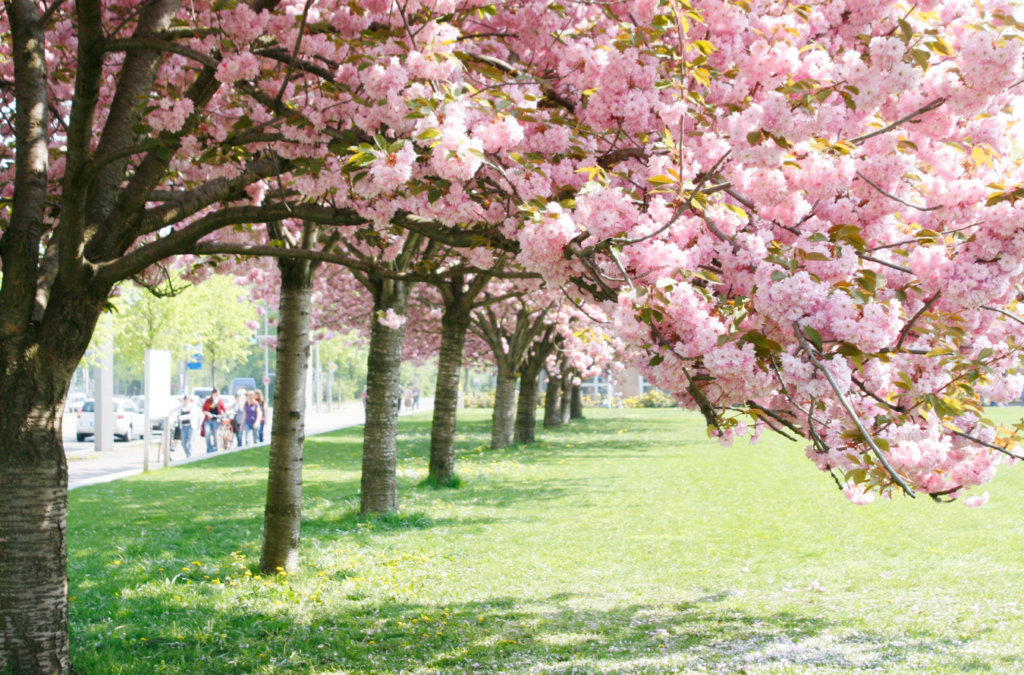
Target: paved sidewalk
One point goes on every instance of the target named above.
(86, 467)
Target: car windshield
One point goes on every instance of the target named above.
(87, 406)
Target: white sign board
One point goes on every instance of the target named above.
(157, 385)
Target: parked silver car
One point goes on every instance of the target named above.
(128, 421)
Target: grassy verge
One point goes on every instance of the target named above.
(625, 542)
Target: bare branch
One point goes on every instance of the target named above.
(889, 127)
(990, 446)
(906, 329)
(798, 331)
(158, 45)
(894, 198)
(295, 52)
(1004, 313)
(899, 268)
(184, 240)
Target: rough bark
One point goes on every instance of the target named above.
(379, 483)
(282, 518)
(576, 405)
(553, 403)
(33, 485)
(566, 402)
(502, 422)
(526, 414)
(454, 325)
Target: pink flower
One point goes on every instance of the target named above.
(244, 66)
(391, 320)
(857, 495)
(392, 169)
(974, 501)
(171, 115)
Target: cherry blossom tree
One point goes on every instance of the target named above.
(806, 214)
(810, 219)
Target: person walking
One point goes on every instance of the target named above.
(416, 397)
(211, 409)
(408, 398)
(238, 417)
(188, 418)
(263, 413)
(363, 397)
(251, 420)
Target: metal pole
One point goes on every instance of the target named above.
(103, 389)
(147, 421)
(330, 376)
(165, 441)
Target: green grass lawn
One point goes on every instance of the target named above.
(626, 542)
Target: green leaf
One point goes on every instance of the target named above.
(815, 338)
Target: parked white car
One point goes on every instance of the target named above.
(128, 421)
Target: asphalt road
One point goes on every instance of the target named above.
(73, 447)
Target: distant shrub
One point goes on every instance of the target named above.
(655, 398)
(485, 400)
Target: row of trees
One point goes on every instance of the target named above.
(806, 218)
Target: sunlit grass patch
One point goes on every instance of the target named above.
(624, 543)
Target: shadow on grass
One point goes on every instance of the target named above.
(507, 634)
(211, 508)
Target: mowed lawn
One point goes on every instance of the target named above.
(625, 542)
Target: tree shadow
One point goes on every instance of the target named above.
(562, 633)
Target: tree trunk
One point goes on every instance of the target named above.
(37, 370)
(384, 392)
(566, 403)
(526, 415)
(502, 423)
(553, 403)
(282, 518)
(454, 325)
(576, 405)
(33, 549)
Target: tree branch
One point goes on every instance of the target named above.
(19, 244)
(218, 189)
(924, 308)
(158, 45)
(184, 240)
(798, 331)
(1004, 313)
(889, 127)
(990, 446)
(894, 198)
